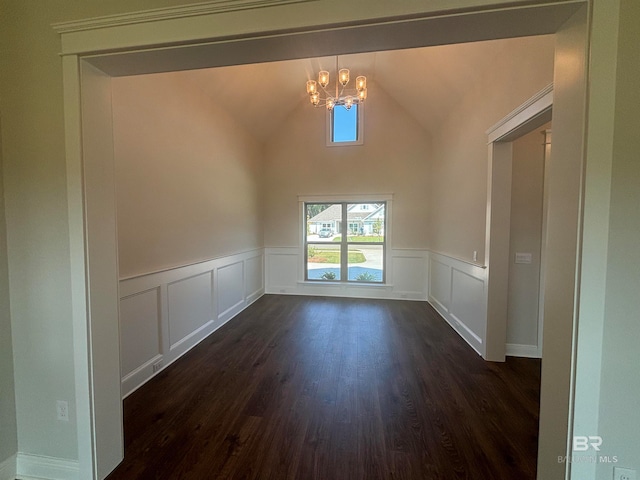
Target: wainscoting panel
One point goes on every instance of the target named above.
(440, 283)
(231, 289)
(165, 314)
(143, 313)
(409, 271)
(190, 306)
(458, 291)
(467, 300)
(282, 269)
(254, 274)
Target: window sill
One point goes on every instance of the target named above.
(346, 284)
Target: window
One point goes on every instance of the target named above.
(345, 242)
(345, 127)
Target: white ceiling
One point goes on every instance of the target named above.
(426, 82)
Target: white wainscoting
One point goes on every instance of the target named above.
(165, 314)
(406, 276)
(458, 291)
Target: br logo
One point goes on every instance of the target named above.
(582, 443)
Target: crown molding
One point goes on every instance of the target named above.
(169, 13)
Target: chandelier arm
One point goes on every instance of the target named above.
(325, 91)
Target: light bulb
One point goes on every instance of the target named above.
(362, 95)
(343, 75)
(323, 78)
(348, 102)
(315, 99)
(311, 87)
(361, 83)
(330, 103)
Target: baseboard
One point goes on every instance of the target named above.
(30, 467)
(527, 351)
(8, 468)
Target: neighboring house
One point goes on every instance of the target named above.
(329, 218)
(363, 219)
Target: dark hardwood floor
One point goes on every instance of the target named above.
(328, 388)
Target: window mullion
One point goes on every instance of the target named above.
(344, 246)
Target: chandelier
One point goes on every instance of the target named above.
(346, 97)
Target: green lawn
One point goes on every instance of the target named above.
(317, 255)
(360, 238)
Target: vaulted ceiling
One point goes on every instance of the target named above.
(426, 82)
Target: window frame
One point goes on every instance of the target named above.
(360, 129)
(345, 243)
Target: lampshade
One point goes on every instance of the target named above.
(361, 83)
(323, 78)
(330, 103)
(311, 87)
(343, 75)
(348, 102)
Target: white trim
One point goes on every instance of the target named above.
(8, 468)
(39, 467)
(527, 351)
(543, 243)
(352, 198)
(168, 13)
(533, 113)
(457, 259)
(199, 262)
(329, 129)
(538, 104)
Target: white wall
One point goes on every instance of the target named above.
(619, 421)
(8, 437)
(392, 160)
(188, 189)
(457, 178)
(527, 179)
(187, 176)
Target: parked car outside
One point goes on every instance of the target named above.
(325, 233)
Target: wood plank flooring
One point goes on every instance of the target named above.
(331, 389)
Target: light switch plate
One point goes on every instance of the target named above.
(523, 257)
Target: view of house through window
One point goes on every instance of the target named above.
(345, 242)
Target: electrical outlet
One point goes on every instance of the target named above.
(157, 366)
(623, 474)
(63, 410)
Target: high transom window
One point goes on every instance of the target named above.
(344, 127)
(345, 242)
